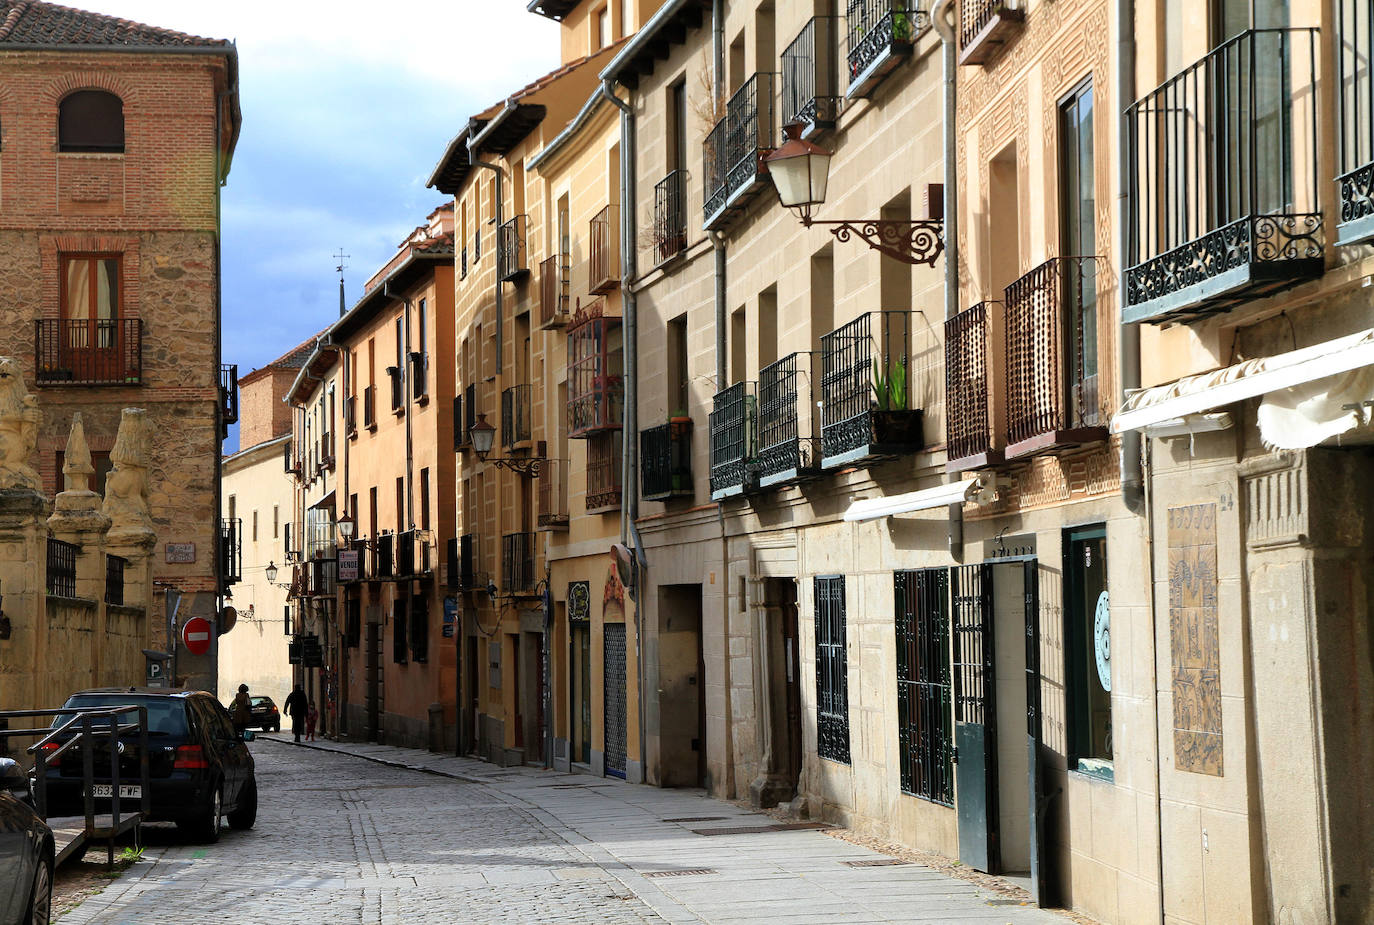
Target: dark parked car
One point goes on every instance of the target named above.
(26, 852)
(265, 713)
(199, 768)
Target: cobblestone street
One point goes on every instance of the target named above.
(344, 839)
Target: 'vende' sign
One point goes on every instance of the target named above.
(348, 565)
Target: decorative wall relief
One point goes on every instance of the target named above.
(1194, 637)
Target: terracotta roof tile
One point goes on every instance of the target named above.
(34, 23)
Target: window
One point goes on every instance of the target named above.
(1088, 648)
(602, 37)
(419, 628)
(255, 526)
(400, 631)
(421, 351)
(596, 389)
(233, 507)
(353, 608)
(924, 729)
(276, 521)
(91, 121)
(678, 378)
(424, 499)
(100, 461)
(372, 510)
(832, 677)
(677, 126)
(90, 299)
(401, 504)
(1077, 228)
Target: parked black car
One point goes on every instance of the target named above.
(200, 769)
(265, 713)
(26, 852)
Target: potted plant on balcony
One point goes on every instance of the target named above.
(893, 422)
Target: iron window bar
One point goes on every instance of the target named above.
(114, 579)
(515, 415)
(553, 494)
(665, 454)
(510, 250)
(810, 79)
(863, 416)
(925, 729)
(733, 431)
(603, 264)
(604, 469)
(517, 564)
(230, 550)
(229, 393)
(670, 217)
(555, 285)
(61, 571)
(881, 33)
(969, 437)
(787, 442)
(1354, 47)
(96, 351)
(832, 670)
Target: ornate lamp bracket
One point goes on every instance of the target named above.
(914, 242)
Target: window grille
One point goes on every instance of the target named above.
(832, 677)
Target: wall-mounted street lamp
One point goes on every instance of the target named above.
(345, 526)
(483, 434)
(801, 173)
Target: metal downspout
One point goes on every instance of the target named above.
(942, 16)
(403, 376)
(718, 240)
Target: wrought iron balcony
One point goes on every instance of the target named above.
(735, 148)
(229, 393)
(865, 392)
(1223, 179)
(882, 33)
(61, 567)
(1052, 381)
(321, 577)
(596, 387)
(986, 26)
(386, 556)
(553, 494)
(969, 341)
(517, 564)
(515, 415)
(412, 554)
(670, 216)
(106, 351)
(1354, 47)
(603, 247)
(665, 461)
(555, 290)
(605, 460)
(114, 579)
(511, 263)
(469, 561)
(734, 441)
(787, 441)
(810, 76)
(230, 550)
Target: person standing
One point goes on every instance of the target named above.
(241, 712)
(311, 716)
(296, 707)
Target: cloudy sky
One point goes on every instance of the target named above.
(347, 106)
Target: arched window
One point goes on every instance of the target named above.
(91, 120)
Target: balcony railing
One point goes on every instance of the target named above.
(61, 572)
(603, 264)
(322, 577)
(412, 554)
(787, 436)
(1354, 91)
(370, 407)
(553, 494)
(604, 465)
(555, 290)
(398, 387)
(735, 147)
(865, 391)
(596, 385)
(114, 579)
(969, 434)
(469, 561)
(670, 216)
(106, 351)
(386, 556)
(515, 415)
(517, 563)
(986, 26)
(366, 570)
(810, 76)
(1224, 201)
(1052, 391)
(229, 393)
(734, 441)
(230, 551)
(511, 262)
(882, 33)
(665, 461)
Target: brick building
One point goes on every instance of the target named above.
(115, 139)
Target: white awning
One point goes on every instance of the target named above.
(980, 490)
(1333, 360)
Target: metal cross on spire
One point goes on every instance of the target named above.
(341, 257)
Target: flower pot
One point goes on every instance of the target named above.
(897, 428)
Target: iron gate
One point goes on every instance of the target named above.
(614, 673)
(975, 715)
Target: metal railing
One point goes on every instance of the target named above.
(603, 472)
(968, 344)
(105, 351)
(555, 290)
(553, 493)
(665, 461)
(398, 387)
(517, 563)
(510, 249)
(515, 415)
(61, 571)
(1051, 312)
(734, 437)
(114, 579)
(734, 157)
(849, 356)
(603, 264)
(1354, 44)
(785, 445)
(322, 576)
(386, 555)
(406, 559)
(670, 216)
(230, 550)
(229, 392)
(810, 81)
(976, 15)
(596, 382)
(1223, 172)
(713, 171)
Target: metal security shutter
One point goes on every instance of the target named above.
(925, 725)
(614, 673)
(832, 674)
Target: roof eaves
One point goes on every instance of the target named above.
(628, 58)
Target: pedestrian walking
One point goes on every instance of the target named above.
(296, 708)
(241, 711)
(311, 716)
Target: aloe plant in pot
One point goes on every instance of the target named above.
(893, 422)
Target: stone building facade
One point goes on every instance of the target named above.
(115, 139)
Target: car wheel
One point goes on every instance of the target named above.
(40, 900)
(205, 827)
(246, 813)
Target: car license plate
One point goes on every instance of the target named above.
(126, 791)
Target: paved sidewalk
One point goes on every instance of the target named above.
(648, 839)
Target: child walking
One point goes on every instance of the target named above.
(311, 715)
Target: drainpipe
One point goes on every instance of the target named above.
(475, 142)
(403, 376)
(942, 16)
(717, 239)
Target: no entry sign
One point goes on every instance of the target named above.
(195, 632)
